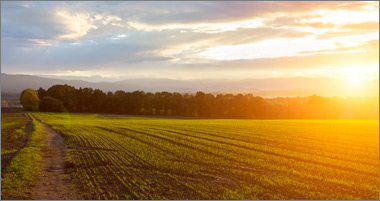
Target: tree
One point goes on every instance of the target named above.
(86, 98)
(158, 103)
(177, 104)
(29, 100)
(4, 103)
(98, 101)
(241, 107)
(41, 93)
(190, 105)
(49, 104)
(148, 103)
(136, 101)
(120, 102)
(109, 102)
(66, 94)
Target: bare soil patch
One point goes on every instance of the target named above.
(54, 183)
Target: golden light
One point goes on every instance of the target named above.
(354, 78)
(356, 75)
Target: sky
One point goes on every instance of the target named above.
(111, 41)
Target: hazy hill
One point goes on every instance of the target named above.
(272, 87)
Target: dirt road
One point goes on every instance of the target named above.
(54, 183)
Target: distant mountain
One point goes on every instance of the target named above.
(271, 87)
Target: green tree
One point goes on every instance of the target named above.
(98, 101)
(41, 93)
(66, 94)
(49, 104)
(29, 100)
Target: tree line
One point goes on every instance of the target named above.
(59, 98)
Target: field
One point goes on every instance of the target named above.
(21, 143)
(125, 157)
(13, 135)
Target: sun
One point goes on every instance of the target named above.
(354, 78)
(357, 75)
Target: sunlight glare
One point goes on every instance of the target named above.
(354, 78)
(357, 75)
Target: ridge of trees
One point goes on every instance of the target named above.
(248, 106)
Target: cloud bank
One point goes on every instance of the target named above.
(188, 40)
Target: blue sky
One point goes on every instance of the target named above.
(106, 41)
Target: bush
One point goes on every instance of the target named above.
(49, 104)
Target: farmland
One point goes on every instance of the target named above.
(13, 135)
(127, 157)
(21, 140)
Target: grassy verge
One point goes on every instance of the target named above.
(18, 179)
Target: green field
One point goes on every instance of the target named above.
(21, 142)
(12, 125)
(124, 157)
(13, 135)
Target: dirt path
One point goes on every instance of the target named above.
(53, 183)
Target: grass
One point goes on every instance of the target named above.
(10, 151)
(17, 181)
(124, 157)
(13, 127)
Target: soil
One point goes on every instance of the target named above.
(54, 183)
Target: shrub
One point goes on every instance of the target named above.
(49, 104)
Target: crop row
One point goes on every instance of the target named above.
(12, 126)
(119, 157)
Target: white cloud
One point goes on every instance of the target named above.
(343, 17)
(210, 37)
(107, 19)
(204, 28)
(38, 42)
(118, 37)
(76, 25)
(285, 47)
(78, 73)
